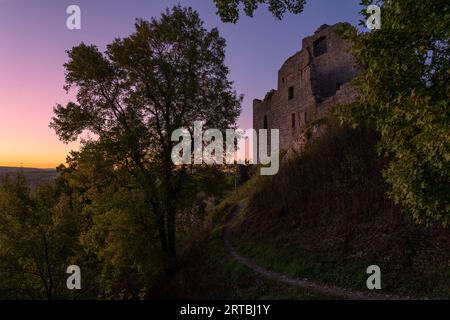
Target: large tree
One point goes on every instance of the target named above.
(228, 10)
(404, 89)
(169, 73)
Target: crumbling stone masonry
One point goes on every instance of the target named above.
(309, 84)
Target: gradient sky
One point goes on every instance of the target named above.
(34, 38)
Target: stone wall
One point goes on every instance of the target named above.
(309, 83)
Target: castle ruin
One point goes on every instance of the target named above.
(309, 83)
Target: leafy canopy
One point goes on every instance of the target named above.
(404, 89)
(38, 238)
(168, 74)
(228, 10)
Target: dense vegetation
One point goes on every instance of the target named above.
(95, 216)
(165, 76)
(118, 206)
(326, 216)
(404, 90)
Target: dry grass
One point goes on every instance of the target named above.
(326, 215)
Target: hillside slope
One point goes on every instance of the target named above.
(326, 216)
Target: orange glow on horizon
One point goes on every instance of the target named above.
(29, 160)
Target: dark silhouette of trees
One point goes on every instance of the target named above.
(228, 10)
(169, 73)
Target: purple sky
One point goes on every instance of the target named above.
(34, 38)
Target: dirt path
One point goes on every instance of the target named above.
(301, 283)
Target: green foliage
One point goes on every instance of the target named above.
(169, 73)
(228, 10)
(118, 235)
(326, 216)
(38, 237)
(404, 89)
(94, 216)
(120, 193)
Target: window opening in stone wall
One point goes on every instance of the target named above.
(320, 46)
(291, 93)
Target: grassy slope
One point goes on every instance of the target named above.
(208, 272)
(326, 216)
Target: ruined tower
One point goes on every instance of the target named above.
(309, 83)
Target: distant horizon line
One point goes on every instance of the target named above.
(27, 167)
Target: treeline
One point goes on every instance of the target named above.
(94, 216)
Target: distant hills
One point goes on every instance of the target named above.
(34, 176)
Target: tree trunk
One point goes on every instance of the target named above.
(160, 222)
(169, 194)
(166, 233)
(163, 207)
(171, 242)
(49, 273)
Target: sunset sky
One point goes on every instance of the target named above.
(34, 38)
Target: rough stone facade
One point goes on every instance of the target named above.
(309, 83)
